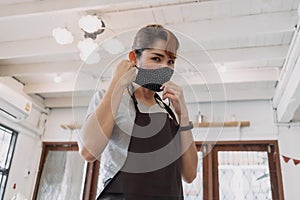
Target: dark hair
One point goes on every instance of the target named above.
(148, 35)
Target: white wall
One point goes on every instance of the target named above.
(259, 113)
(63, 116)
(288, 141)
(25, 159)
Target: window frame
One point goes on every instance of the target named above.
(259, 145)
(10, 154)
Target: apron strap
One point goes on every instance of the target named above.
(131, 93)
(168, 109)
(135, 102)
(157, 99)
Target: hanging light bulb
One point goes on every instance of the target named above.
(89, 23)
(57, 78)
(222, 68)
(62, 36)
(87, 45)
(88, 51)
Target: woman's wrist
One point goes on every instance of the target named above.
(116, 83)
(184, 117)
(188, 127)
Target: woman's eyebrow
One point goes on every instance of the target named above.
(173, 57)
(158, 54)
(161, 55)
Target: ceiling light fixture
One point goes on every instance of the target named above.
(62, 36)
(222, 68)
(91, 26)
(57, 78)
(88, 51)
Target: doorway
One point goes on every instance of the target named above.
(62, 172)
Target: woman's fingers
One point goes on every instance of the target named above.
(175, 94)
(172, 88)
(168, 93)
(125, 66)
(125, 73)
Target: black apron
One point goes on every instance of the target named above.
(163, 183)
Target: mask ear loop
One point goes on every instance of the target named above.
(130, 88)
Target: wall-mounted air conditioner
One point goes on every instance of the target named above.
(13, 104)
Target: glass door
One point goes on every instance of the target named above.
(244, 175)
(62, 173)
(244, 172)
(194, 191)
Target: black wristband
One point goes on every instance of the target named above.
(186, 128)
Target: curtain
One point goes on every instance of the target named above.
(62, 177)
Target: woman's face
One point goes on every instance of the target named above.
(156, 57)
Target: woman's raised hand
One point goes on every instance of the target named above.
(175, 94)
(125, 73)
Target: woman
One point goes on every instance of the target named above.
(143, 146)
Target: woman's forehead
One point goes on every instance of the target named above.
(162, 52)
(159, 44)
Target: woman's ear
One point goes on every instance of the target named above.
(132, 57)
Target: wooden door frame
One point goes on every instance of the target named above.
(262, 145)
(65, 146)
(90, 189)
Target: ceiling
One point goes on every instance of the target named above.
(231, 49)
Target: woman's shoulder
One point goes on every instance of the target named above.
(99, 94)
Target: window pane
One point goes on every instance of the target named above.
(243, 175)
(5, 139)
(7, 145)
(2, 184)
(194, 190)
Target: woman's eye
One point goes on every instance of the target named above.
(156, 59)
(171, 62)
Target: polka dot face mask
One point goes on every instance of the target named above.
(153, 78)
